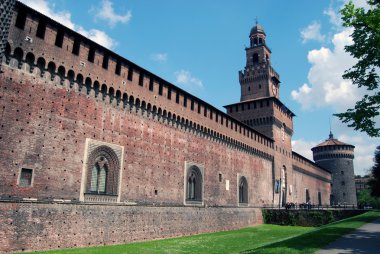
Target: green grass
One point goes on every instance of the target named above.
(259, 239)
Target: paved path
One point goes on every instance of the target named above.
(365, 239)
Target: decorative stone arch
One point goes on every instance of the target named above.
(101, 177)
(194, 184)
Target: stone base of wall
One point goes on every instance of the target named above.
(43, 226)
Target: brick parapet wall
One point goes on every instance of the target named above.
(39, 226)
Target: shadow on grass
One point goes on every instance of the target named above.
(313, 241)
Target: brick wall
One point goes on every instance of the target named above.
(33, 226)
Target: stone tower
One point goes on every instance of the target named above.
(337, 157)
(260, 108)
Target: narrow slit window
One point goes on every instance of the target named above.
(91, 55)
(41, 29)
(105, 61)
(177, 97)
(59, 38)
(130, 73)
(141, 79)
(76, 46)
(185, 101)
(160, 88)
(151, 84)
(118, 67)
(169, 93)
(21, 19)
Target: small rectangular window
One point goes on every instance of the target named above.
(130, 73)
(59, 38)
(221, 120)
(160, 88)
(141, 79)
(151, 84)
(76, 46)
(118, 67)
(41, 29)
(220, 177)
(192, 104)
(254, 105)
(21, 19)
(242, 107)
(210, 114)
(216, 117)
(199, 107)
(249, 105)
(185, 101)
(237, 108)
(204, 111)
(177, 97)
(26, 176)
(105, 61)
(91, 55)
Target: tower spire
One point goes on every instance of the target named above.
(331, 136)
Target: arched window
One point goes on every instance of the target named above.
(194, 184)
(103, 171)
(243, 190)
(99, 176)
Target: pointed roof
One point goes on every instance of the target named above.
(331, 141)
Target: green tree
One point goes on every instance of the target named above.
(374, 183)
(365, 73)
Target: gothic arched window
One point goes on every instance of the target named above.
(194, 184)
(243, 190)
(103, 171)
(99, 175)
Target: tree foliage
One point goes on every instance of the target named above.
(365, 73)
(374, 183)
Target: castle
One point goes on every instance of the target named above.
(97, 150)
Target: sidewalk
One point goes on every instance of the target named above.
(365, 239)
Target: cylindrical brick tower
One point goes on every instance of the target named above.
(338, 157)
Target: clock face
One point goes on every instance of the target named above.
(274, 89)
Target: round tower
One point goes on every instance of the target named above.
(337, 157)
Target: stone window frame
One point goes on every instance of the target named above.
(19, 177)
(189, 166)
(94, 149)
(238, 182)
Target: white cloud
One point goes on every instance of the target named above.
(184, 77)
(303, 147)
(64, 17)
(160, 57)
(312, 32)
(326, 87)
(107, 13)
(334, 16)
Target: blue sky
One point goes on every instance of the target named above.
(199, 46)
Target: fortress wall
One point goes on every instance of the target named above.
(128, 82)
(33, 226)
(45, 125)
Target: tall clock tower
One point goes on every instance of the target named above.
(260, 108)
(259, 79)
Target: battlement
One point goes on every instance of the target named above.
(41, 46)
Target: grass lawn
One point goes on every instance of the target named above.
(259, 239)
